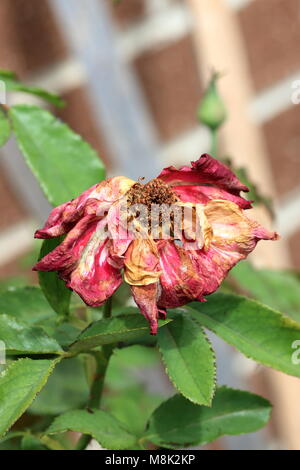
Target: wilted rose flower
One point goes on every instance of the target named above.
(175, 238)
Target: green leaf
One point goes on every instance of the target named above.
(65, 334)
(253, 328)
(135, 356)
(178, 422)
(125, 363)
(277, 289)
(19, 385)
(26, 304)
(189, 359)
(12, 84)
(108, 431)
(133, 407)
(127, 400)
(65, 390)
(22, 339)
(112, 330)
(4, 129)
(55, 290)
(62, 162)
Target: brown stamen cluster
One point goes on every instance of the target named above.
(153, 192)
(155, 195)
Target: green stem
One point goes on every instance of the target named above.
(107, 308)
(102, 359)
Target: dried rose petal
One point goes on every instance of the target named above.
(110, 229)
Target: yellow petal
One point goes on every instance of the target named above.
(141, 263)
(232, 230)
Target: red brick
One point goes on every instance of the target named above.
(283, 142)
(10, 208)
(79, 115)
(38, 39)
(127, 11)
(171, 84)
(10, 57)
(294, 243)
(272, 36)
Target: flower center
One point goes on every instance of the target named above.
(153, 192)
(150, 208)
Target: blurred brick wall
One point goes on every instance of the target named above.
(31, 36)
(79, 115)
(171, 84)
(126, 13)
(167, 72)
(271, 31)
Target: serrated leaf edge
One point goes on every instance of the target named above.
(39, 388)
(214, 368)
(197, 442)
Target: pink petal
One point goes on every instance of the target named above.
(64, 217)
(66, 255)
(119, 235)
(202, 194)
(82, 260)
(112, 189)
(146, 299)
(179, 281)
(206, 170)
(95, 279)
(96, 199)
(191, 274)
(117, 252)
